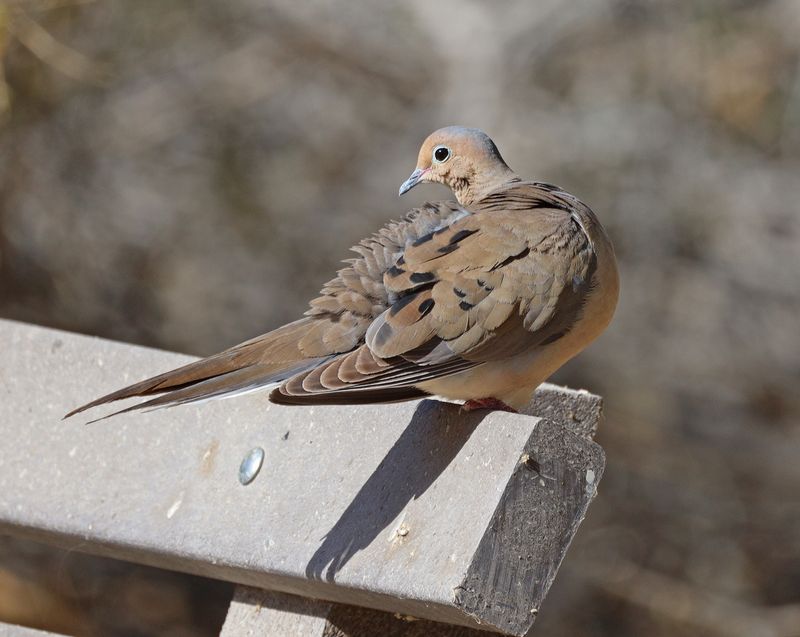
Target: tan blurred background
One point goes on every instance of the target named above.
(186, 174)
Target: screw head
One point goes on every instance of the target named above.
(251, 465)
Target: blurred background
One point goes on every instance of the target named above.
(187, 174)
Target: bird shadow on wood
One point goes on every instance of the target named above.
(434, 436)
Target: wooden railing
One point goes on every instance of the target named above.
(414, 509)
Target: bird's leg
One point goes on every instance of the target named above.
(487, 403)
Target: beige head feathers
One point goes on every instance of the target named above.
(465, 160)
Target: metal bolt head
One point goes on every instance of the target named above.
(251, 465)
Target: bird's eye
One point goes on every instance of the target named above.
(441, 154)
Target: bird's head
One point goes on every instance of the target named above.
(465, 160)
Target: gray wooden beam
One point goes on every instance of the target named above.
(255, 612)
(12, 630)
(259, 613)
(415, 508)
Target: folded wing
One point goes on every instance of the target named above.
(511, 276)
(439, 292)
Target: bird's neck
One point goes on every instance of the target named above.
(481, 183)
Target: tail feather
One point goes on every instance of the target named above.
(239, 381)
(267, 359)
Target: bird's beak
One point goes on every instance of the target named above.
(413, 180)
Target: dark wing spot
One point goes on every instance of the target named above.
(425, 307)
(409, 297)
(513, 257)
(394, 271)
(422, 277)
(450, 247)
(465, 306)
(401, 303)
(401, 260)
(461, 235)
(423, 239)
(459, 293)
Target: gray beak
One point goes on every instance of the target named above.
(412, 181)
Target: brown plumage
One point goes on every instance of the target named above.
(480, 298)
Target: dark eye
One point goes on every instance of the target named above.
(442, 153)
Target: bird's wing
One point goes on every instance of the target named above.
(335, 323)
(512, 275)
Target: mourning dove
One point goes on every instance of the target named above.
(476, 300)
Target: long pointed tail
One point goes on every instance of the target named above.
(260, 362)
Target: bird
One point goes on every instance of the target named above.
(475, 300)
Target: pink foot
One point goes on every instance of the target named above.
(487, 403)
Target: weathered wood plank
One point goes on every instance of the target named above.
(413, 508)
(12, 630)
